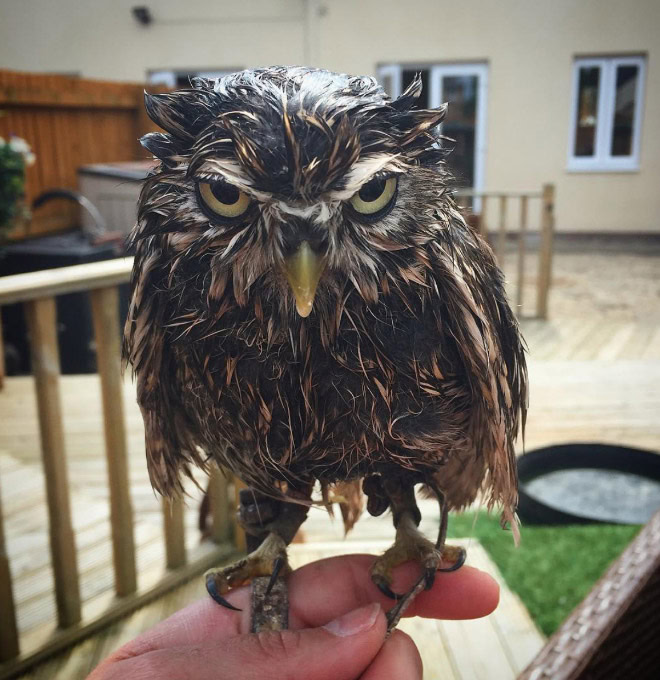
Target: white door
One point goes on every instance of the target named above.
(465, 88)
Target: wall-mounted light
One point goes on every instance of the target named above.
(142, 15)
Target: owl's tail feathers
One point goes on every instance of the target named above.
(350, 498)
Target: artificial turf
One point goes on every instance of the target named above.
(554, 567)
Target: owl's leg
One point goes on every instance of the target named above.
(411, 545)
(270, 526)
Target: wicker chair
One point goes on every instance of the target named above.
(615, 632)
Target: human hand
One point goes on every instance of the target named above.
(337, 630)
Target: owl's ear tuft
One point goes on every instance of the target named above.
(418, 122)
(183, 114)
(410, 96)
(162, 146)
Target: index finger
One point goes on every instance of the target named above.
(323, 590)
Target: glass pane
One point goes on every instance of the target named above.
(461, 125)
(587, 111)
(624, 110)
(408, 75)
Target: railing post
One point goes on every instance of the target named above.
(9, 648)
(545, 252)
(240, 540)
(221, 524)
(2, 355)
(105, 313)
(522, 237)
(175, 539)
(483, 226)
(501, 236)
(41, 318)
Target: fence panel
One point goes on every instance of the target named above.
(68, 122)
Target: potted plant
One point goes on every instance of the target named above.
(15, 156)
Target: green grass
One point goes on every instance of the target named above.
(554, 567)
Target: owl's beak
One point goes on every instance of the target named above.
(303, 270)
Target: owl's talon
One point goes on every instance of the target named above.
(277, 567)
(459, 561)
(429, 577)
(394, 615)
(384, 588)
(269, 560)
(212, 590)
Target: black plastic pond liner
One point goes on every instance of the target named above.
(563, 457)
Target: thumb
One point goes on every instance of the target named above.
(340, 650)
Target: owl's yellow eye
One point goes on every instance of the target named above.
(224, 199)
(374, 197)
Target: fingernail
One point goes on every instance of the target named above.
(354, 622)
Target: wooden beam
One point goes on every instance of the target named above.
(2, 357)
(9, 648)
(497, 194)
(52, 282)
(522, 236)
(501, 235)
(240, 540)
(483, 225)
(41, 321)
(221, 525)
(545, 252)
(175, 539)
(69, 93)
(105, 314)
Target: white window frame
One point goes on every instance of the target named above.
(602, 160)
(436, 73)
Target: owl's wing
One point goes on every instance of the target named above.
(168, 442)
(487, 341)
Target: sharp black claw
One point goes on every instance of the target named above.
(387, 591)
(458, 564)
(213, 592)
(277, 567)
(429, 578)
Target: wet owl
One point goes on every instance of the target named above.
(310, 306)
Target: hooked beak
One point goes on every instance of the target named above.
(303, 270)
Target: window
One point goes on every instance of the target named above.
(606, 114)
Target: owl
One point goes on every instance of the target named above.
(310, 309)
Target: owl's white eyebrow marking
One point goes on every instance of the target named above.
(365, 169)
(319, 212)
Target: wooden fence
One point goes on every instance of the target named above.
(69, 122)
(506, 227)
(37, 291)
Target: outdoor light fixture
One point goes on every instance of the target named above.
(142, 15)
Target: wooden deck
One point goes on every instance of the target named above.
(595, 376)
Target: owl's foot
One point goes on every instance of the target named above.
(412, 545)
(269, 559)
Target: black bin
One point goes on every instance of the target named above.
(74, 315)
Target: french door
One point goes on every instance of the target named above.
(465, 88)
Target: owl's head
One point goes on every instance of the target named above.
(300, 179)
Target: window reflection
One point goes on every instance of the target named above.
(587, 113)
(624, 110)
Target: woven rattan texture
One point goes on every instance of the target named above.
(615, 632)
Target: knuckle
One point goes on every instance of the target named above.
(276, 644)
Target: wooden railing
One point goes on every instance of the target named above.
(37, 291)
(505, 227)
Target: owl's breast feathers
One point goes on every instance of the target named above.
(430, 376)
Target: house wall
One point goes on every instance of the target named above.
(529, 46)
